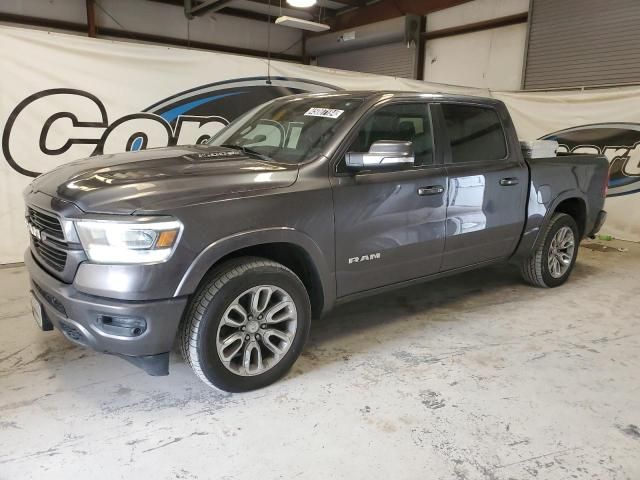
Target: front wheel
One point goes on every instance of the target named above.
(246, 325)
(552, 261)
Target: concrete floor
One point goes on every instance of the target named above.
(473, 377)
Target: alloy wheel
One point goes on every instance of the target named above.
(256, 330)
(561, 251)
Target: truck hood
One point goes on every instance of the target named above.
(161, 178)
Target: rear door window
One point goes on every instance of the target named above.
(475, 133)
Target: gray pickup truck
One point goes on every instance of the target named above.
(233, 246)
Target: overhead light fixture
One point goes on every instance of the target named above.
(301, 24)
(301, 3)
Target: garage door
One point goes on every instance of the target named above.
(377, 48)
(583, 43)
(393, 59)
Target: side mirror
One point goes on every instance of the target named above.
(383, 153)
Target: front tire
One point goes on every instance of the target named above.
(553, 260)
(246, 324)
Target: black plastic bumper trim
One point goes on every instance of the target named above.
(154, 365)
(600, 219)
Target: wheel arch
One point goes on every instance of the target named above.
(576, 208)
(292, 248)
(569, 201)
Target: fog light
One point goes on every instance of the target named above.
(122, 326)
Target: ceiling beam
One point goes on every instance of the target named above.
(386, 9)
(477, 26)
(275, 4)
(231, 11)
(353, 3)
(247, 14)
(192, 9)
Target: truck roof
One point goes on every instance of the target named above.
(380, 94)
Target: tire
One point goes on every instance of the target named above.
(224, 302)
(536, 270)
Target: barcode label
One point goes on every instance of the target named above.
(324, 112)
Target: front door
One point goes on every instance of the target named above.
(389, 224)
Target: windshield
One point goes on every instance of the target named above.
(288, 131)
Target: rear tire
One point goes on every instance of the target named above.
(246, 325)
(553, 260)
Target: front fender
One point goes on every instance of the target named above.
(210, 255)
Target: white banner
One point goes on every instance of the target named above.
(604, 121)
(64, 97)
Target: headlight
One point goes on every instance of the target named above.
(121, 242)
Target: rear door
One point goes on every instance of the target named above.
(389, 224)
(486, 186)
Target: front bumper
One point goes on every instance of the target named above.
(77, 314)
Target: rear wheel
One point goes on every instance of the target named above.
(552, 262)
(246, 325)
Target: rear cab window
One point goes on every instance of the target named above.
(475, 133)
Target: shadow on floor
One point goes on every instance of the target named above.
(483, 287)
(475, 289)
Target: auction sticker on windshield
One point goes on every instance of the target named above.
(324, 112)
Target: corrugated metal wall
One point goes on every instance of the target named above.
(583, 42)
(393, 59)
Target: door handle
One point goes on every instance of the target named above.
(430, 190)
(509, 181)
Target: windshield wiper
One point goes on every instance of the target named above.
(247, 150)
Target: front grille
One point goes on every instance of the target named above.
(47, 223)
(52, 256)
(51, 247)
